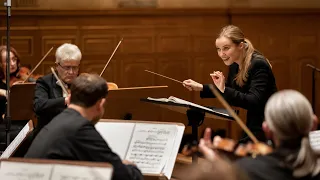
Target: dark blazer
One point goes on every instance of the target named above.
(69, 136)
(270, 166)
(252, 96)
(48, 100)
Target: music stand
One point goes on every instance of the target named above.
(195, 114)
(22, 101)
(124, 103)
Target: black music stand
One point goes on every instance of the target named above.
(195, 114)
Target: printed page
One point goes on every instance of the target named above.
(181, 101)
(16, 142)
(24, 171)
(158, 99)
(314, 137)
(73, 172)
(115, 132)
(151, 146)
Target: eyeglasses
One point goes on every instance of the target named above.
(68, 68)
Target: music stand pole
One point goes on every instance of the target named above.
(7, 115)
(195, 118)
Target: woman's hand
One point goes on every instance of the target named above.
(192, 85)
(219, 80)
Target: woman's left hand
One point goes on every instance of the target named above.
(219, 80)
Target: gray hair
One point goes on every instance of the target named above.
(69, 52)
(289, 115)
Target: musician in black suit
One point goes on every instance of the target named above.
(49, 99)
(250, 80)
(71, 135)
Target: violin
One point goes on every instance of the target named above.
(230, 149)
(112, 86)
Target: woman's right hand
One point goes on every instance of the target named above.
(192, 85)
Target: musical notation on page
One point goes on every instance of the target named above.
(151, 146)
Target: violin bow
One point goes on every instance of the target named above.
(59, 81)
(234, 115)
(114, 51)
(44, 57)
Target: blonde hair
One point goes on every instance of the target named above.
(69, 52)
(236, 35)
(289, 116)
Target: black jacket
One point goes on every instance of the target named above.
(270, 166)
(69, 136)
(48, 100)
(253, 95)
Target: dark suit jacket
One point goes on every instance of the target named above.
(69, 136)
(270, 166)
(253, 95)
(48, 100)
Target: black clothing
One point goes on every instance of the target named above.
(252, 96)
(69, 136)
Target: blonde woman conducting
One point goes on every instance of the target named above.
(250, 81)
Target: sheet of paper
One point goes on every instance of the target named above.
(72, 172)
(16, 142)
(115, 132)
(24, 171)
(151, 146)
(158, 99)
(314, 137)
(181, 101)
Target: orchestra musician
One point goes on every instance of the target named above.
(16, 126)
(288, 120)
(49, 99)
(250, 80)
(71, 135)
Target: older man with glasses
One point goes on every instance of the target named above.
(49, 99)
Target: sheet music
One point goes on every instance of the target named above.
(314, 137)
(151, 146)
(15, 143)
(181, 101)
(67, 172)
(24, 171)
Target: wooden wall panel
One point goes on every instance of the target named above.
(177, 43)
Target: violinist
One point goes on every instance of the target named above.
(288, 120)
(250, 81)
(14, 77)
(49, 99)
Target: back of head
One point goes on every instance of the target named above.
(68, 52)
(88, 89)
(289, 116)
